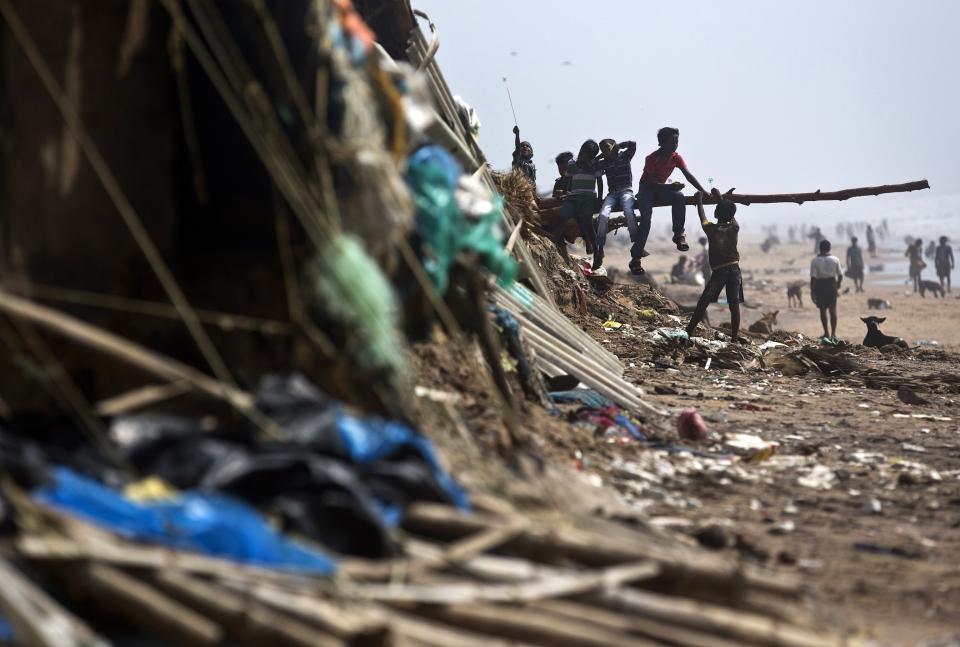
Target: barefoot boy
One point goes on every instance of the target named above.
(724, 263)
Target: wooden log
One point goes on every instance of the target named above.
(719, 621)
(662, 632)
(528, 625)
(36, 619)
(496, 568)
(129, 555)
(562, 584)
(243, 619)
(774, 198)
(353, 624)
(415, 631)
(148, 609)
(594, 549)
(815, 196)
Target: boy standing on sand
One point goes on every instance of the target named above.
(825, 279)
(656, 171)
(855, 264)
(724, 264)
(915, 254)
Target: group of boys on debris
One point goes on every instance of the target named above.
(580, 182)
(580, 176)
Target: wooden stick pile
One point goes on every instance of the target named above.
(466, 579)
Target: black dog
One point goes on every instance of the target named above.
(933, 286)
(875, 338)
(878, 304)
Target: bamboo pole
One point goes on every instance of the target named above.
(123, 349)
(551, 319)
(36, 618)
(145, 607)
(244, 619)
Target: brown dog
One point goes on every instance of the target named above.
(765, 324)
(795, 293)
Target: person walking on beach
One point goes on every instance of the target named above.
(871, 242)
(855, 264)
(724, 263)
(915, 254)
(944, 263)
(703, 258)
(825, 280)
(817, 237)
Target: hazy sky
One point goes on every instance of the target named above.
(770, 96)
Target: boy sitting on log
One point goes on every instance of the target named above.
(616, 163)
(653, 187)
(724, 263)
(579, 201)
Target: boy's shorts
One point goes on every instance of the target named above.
(578, 205)
(726, 277)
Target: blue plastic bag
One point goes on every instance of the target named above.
(367, 440)
(211, 524)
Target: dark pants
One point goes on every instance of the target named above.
(580, 208)
(647, 195)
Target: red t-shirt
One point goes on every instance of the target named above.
(657, 169)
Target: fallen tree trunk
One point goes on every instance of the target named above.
(816, 196)
(547, 215)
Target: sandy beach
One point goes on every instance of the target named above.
(766, 276)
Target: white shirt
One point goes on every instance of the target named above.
(825, 267)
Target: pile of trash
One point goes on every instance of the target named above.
(177, 470)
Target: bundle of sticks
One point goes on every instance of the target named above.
(477, 579)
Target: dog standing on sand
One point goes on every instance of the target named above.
(932, 286)
(795, 293)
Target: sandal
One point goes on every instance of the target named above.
(681, 242)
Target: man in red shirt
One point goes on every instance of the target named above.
(653, 188)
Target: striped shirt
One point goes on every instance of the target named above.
(618, 168)
(583, 181)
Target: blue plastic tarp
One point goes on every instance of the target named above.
(367, 440)
(211, 524)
